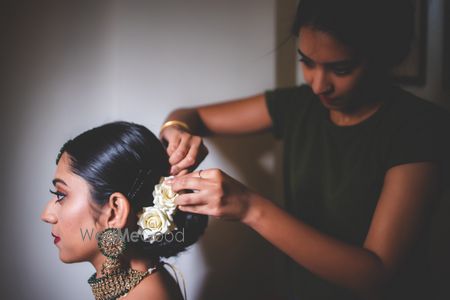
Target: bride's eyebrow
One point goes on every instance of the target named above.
(58, 180)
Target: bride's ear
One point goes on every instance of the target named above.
(117, 210)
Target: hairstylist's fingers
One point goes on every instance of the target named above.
(190, 199)
(174, 171)
(195, 209)
(209, 177)
(215, 174)
(195, 174)
(202, 209)
(182, 172)
(197, 153)
(171, 136)
(180, 153)
(187, 162)
(173, 145)
(186, 182)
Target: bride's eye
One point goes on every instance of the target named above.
(59, 196)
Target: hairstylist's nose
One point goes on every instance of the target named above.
(320, 84)
(47, 215)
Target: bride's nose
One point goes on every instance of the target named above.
(48, 215)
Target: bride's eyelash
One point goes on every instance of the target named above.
(58, 195)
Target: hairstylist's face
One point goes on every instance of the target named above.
(70, 214)
(332, 70)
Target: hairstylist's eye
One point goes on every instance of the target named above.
(344, 68)
(307, 63)
(59, 196)
(342, 71)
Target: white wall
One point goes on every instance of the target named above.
(67, 66)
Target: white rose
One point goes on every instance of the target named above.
(164, 197)
(153, 223)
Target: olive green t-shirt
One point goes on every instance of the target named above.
(334, 174)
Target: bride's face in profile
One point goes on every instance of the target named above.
(69, 211)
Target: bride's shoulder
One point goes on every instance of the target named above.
(157, 286)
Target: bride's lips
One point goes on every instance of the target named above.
(57, 238)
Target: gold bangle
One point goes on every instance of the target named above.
(175, 123)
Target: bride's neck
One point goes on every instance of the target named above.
(139, 264)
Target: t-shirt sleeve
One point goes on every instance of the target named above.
(286, 106)
(424, 139)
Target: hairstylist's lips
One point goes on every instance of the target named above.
(57, 238)
(326, 99)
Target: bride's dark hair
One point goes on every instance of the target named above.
(128, 158)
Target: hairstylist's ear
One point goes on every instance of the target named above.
(117, 210)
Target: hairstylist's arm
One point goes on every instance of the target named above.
(184, 136)
(404, 203)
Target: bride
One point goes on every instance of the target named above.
(111, 208)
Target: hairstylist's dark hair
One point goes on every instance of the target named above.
(380, 30)
(128, 158)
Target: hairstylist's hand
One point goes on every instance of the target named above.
(186, 151)
(212, 193)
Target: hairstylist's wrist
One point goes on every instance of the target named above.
(255, 210)
(175, 123)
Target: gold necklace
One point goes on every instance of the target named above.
(118, 284)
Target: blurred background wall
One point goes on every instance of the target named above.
(67, 66)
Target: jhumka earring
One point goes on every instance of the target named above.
(112, 246)
(116, 281)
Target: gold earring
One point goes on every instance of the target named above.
(117, 281)
(111, 245)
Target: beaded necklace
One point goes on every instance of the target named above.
(116, 285)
